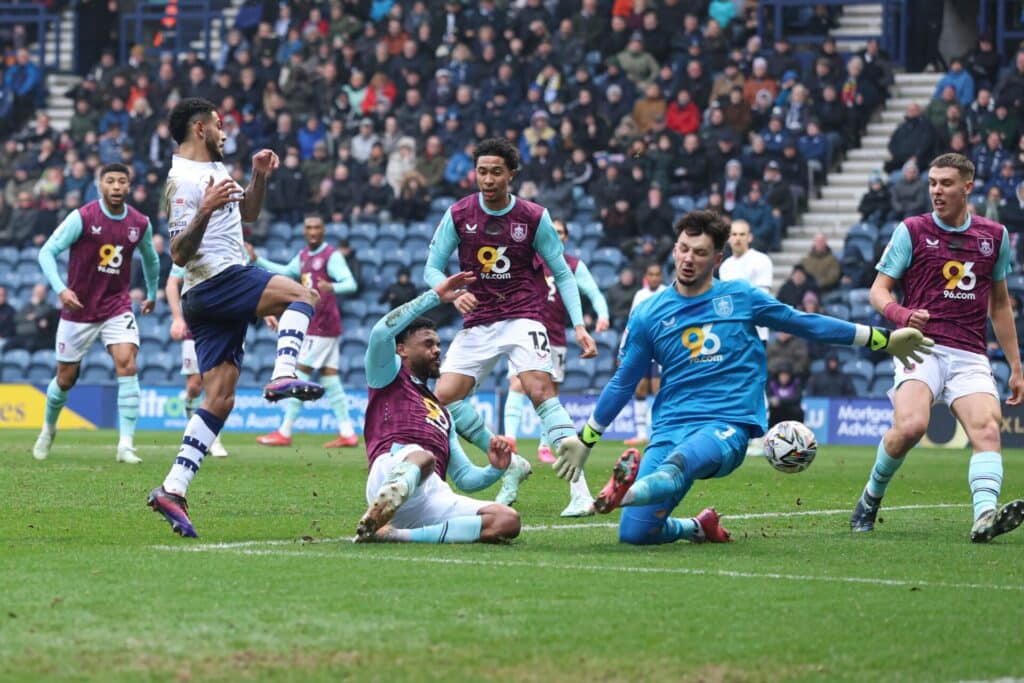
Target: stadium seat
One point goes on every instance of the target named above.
(868, 230)
(886, 231)
(604, 274)
(593, 229)
(359, 242)
(17, 358)
(398, 256)
(153, 375)
(884, 368)
(336, 231)
(860, 296)
(604, 364)
(441, 204)
(94, 374)
(837, 310)
(1014, 282)
(861, 245)
(609, 255)
(861, 384)
(588, 244)
(29, 255)
(38, 375)
(388, 243)
(9, 254)
(859, 367)
(817, 366)
(682, 204)
(370, 258)
(99, 358)
(607, 341)
(280, 254)
(1001, 372)
(396, 230)
(577, 382)
(417, 245)
(416, 272)
(586, 203)
(356, 375)
(354, 307)
(250, 377)
(863, 313)
(880, 386)
(421, 229)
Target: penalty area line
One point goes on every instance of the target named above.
(269, 543)
(357, 556)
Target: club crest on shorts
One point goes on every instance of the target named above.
(519, 232)
(985, 246)
(133, 234)
(723, 305)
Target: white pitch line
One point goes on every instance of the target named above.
(714, 573)
(230, 545)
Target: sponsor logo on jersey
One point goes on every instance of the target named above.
(470, 228)
(96, 229)
(670, 322)
(960, 280)
(934, 244)
(723, 306)
(494, 265)
(985, 246)
(519, 232)
(111, 259)
(703, 344)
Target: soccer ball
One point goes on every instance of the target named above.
(790, 446)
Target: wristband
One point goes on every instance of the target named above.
(896, 314)
(879, 338)
(589, 436)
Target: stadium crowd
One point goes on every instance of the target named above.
(626, 114)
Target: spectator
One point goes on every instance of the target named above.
(788, 349)
(138, 281)
(363, 142)
(961, 81)
(1010, 87)
(35, 325)
(1012, 215)
(875, 204)
(25, 81)
(989, 157)
(832, 382)
(351, 260)
(413, 200)
(759, 80)
(821, 264)
(399, 292)
(765, 222)
(991, 205)
(22, 227)
(619, 225)
(910, 192)
(288, 190)
(432, 163)
(778, 193)
(912, 139)
(981, 109)
(401, 162)
(1001, 122)
(937, 109)
(620, 297)
(725, 82)
(8, 322)
(651, 106)
(983, 63)
(318, 167)
(376, 198)
(638, 65)
(796, 285)
(785, 394)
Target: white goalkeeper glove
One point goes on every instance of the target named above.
(906, 343)
(574, 451)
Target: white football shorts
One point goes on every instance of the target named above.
(949, 373)
(475, 350)
(74, 339)
(433, 501)
(319, 352)
(558, 354)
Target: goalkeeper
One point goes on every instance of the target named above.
(703, 334)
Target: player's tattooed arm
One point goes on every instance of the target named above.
(185, 245)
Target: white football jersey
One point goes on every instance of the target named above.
(223, 244)
(645, 293)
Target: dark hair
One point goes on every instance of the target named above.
(499, 147)
(958, 161)
(315, 215)
(565, 226)
(415, 326)
(704, 223)
(115, 168)
(184, 113)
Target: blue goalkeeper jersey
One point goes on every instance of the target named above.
(713, 364)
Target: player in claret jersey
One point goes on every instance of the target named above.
(411, 442)
(497, 236)
(952, 267)
(321, 267)
(102, 236)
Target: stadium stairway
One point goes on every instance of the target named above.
(836, 210)
(857, 20)
(61, 108)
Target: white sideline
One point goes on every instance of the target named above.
(564, 527)
(355, 555)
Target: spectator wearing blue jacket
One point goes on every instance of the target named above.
(961, 80)
(24, 79)
(115, 115)
(765, 222)
(310, 134)
(814, 146)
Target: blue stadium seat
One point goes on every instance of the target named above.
(593, 229)
(860, 296)
(609, 255)
(281, 254)
(153, 375)
(356, 375)
(354, 308)
(249, 377)
(29, 271)
(336, 231)
(1014, 282)
(418, 245)
(360, 242)
(577, 381)
(859, 367)
(416, 273)
(396, 230)
(399, 256)
(862, 313)
(93, 374)
(586, 203)
(388, 243)
(861, 384)
(99, 358)
(38, 374)
(421, 229)
(837, 310)
(441, 204)
(588, 244)
(884, 368)
(17, 358)
(817, 366)
(879, 387)
(29, 255)
(605, 361)
(860, 244)
(682, 203)
(370, 258)
(609, 339)
(364, 228)
(865, 229)
(574, 362)
(1001, 372)
(885, 233)
(604, 274)
(9, 254)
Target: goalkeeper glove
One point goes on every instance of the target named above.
(573, 453)
(906, 343)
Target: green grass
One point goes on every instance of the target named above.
(95, 587)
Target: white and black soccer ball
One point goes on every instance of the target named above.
(790, 446)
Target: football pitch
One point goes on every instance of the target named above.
(96, 587)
